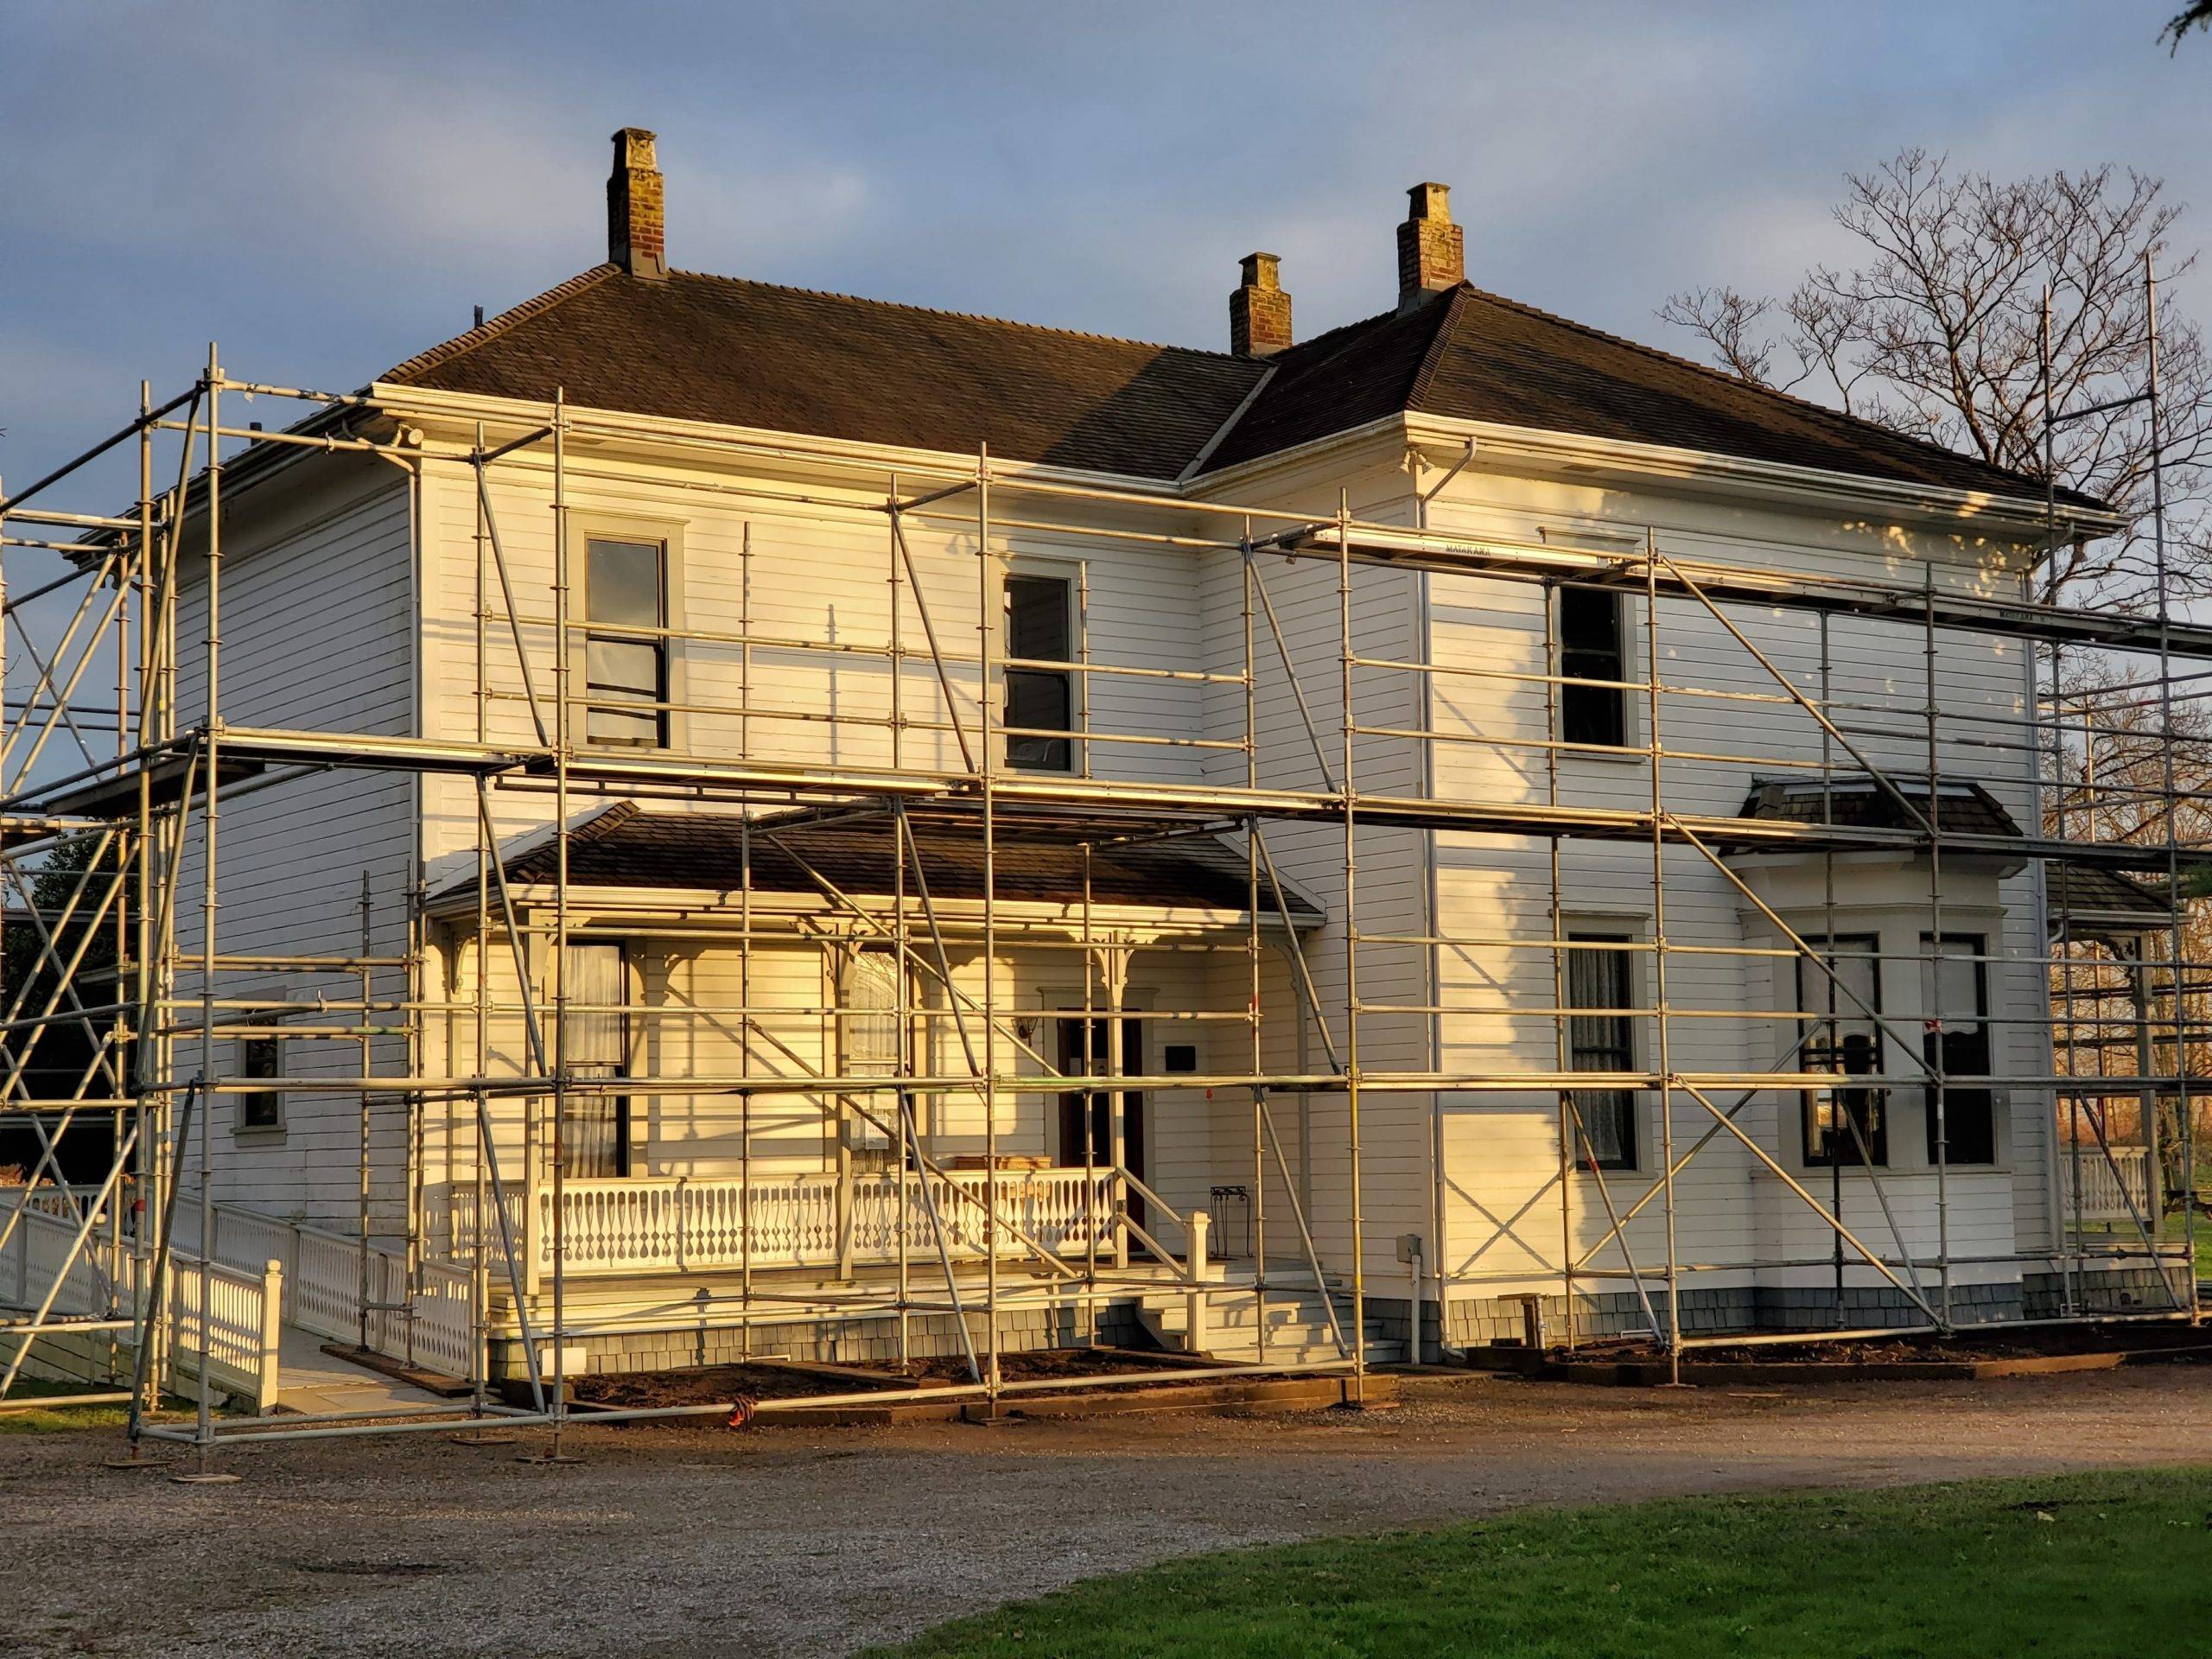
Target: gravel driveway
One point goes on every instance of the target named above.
(693, 1542)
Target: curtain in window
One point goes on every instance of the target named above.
(1601, 1042)
(867, 999)
(594, 1130)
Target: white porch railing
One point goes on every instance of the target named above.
(789, 1221)
(2107, 1187)
(105, 1281)
(323, 1285)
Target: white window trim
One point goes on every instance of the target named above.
(583, 529)
(1901, 1010)
(1634, 705)
(1636, 928)
(258, 1134)
(1073, 572)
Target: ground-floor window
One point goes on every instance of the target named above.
(1599, 979)
(1954, 991)
(595, 1123)
(869, 1004)
(1847, 1123)
(264, 1107)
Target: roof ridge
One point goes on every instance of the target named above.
(536, 306)
(965, 316)
(601, 822)
(1722, 377)
(1447, 324)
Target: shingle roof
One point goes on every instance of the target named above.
(1856, 801)
(626, 846)
(746, 353)
(1476, 356)
(788, 359)
(2087, 895)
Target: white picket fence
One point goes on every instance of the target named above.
(108, 1280)
(790, 1221)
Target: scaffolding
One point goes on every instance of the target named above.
(111, 811)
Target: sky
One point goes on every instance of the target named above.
(326, 189)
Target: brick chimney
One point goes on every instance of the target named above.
(1432, 250)
(1259, 311)
(637, 225)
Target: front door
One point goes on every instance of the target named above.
(1087, 1119)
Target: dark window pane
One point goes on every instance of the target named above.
(1036, 622)
(1954, 990)
(1592, 647)
(1848, 1124)
(1602, 1041)
(258, 1058)
(1039, 626)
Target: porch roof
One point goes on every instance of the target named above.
(2098, 903)
(1035, 861)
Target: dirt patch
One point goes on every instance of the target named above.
(1980, 1354)
(1044, 1364)
(2178, 1343)
(707, 1385)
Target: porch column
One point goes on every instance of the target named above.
(1113, 972)
(534, 1139)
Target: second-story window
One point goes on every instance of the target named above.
(1040, 701)
(1593, 646)
(625, 656)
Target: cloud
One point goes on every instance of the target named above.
(327, 188)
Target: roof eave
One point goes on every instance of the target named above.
(428, 405)
(1714, 473)
(1387, 434)
(708, 905)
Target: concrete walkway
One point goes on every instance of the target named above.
(311, 1382)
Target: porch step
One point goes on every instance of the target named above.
(1297, 1327)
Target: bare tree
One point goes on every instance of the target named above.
(1934, 331)
(2196, 14)
(2116, 776)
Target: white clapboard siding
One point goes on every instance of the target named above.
(1504, 1206)
(316, 610)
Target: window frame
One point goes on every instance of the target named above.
(1630, 1104)
(251, 1052)
(625, 1154)
(857, 1134)
(668, 535)
(1625, 701)
(1070, 575)
(1932, 1011)
(1876, 1124)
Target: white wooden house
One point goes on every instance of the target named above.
(709, 460)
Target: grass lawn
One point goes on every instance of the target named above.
(43, 1420)
(2079, 1566)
